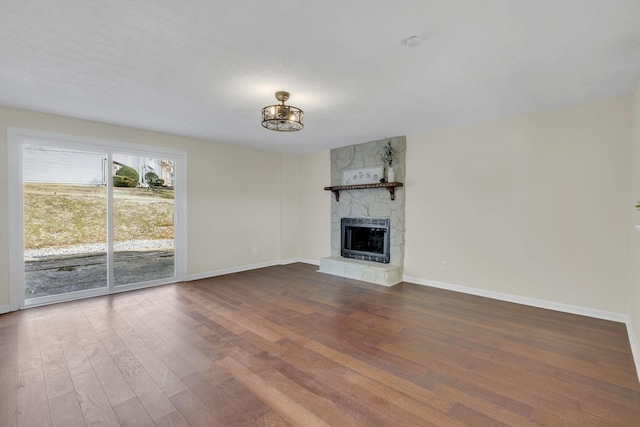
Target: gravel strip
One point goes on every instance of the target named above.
(130, 245)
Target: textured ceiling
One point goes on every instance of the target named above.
(205, 68)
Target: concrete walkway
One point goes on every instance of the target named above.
(60, 274)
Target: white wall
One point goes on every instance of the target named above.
(315, 206)
(290, 206)
(234, 194)
(535, 205)
(233, 206)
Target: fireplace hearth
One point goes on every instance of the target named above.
(366, 239)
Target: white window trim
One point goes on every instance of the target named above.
(15, 140)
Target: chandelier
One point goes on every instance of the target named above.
(281, 117)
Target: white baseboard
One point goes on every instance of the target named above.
(4, 308)
(242, 268)
(534, 302)
(635, 346)
(231, 270)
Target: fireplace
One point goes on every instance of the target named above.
(366, 239)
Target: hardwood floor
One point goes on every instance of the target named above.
(286, 346)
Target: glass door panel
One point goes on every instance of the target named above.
(143, 219)
(65, 220)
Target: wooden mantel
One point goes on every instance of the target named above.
(391, 186)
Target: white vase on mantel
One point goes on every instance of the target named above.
(391, 175)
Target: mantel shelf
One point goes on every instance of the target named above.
(391, 186)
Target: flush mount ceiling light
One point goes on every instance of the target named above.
(282, 118)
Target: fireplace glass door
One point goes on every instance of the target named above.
(366, 239)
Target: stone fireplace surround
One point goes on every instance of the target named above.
(367, 203)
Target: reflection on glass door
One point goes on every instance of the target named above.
(143, 219)
(65, 220)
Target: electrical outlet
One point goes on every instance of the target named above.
(255, 250)
(443, 265)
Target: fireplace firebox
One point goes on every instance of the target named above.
(366, 239)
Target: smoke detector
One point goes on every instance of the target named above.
(413, 41)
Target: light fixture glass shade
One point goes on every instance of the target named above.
(281, 117)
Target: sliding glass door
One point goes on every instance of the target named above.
(65, 220)
(95, 218)
(143, 213)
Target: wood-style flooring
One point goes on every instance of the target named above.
(287, 346)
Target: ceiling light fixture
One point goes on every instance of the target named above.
(282, 118)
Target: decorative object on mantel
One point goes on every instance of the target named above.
(388, 152)
(362, 175)
(281, 117)
(391, 186)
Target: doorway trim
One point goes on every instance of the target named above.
(15, 140)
